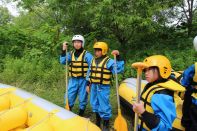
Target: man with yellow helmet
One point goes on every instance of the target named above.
(157, 108)
(189, 81)
(99, 76)
(79, 61)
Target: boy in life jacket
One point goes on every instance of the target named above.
(79, 61)
(99, 76)
(157, 108)
(189, 81)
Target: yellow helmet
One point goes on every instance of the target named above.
(161, 62)
(101, 45)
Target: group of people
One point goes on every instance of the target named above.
(157, 108)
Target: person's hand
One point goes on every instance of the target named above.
(115, 52)
(88, 89)
(138, 108)
(64, 46)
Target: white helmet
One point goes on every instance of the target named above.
(195, 43)
(79, 37)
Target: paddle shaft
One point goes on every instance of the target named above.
(139, 66)
(138, 91)
(120, 123)
(66, 77)
(116, 78)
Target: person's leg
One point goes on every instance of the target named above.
(105, 125)
(83, 95)
(72, 92)
(94, 98)
(98, 119)
(94, 103)
(104, 105)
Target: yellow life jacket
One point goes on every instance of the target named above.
(177, 74)
(194, 95)
(99, 73)
(78, 67)
(147, 96)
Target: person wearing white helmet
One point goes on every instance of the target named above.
(79, 38)
(79, 61)
(189, 81)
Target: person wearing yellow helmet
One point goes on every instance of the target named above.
(157, 107)
(189, 81)
(99, 77)
(79, 61)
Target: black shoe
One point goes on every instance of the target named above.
(70, 107)
(81, 112)
(105, 125)
(98, 120)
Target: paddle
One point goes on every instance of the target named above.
(120, 123)
(139, 66)
(67, 104)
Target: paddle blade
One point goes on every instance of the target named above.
(67, 105)
(120, 123)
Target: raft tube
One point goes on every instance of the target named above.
(23, 111)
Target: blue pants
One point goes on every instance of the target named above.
(77, 86)
(99, 100)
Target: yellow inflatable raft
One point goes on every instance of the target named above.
(127, 92)
(22, 111)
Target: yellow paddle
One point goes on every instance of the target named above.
(120, 123)
(139, 66)
(67, 104)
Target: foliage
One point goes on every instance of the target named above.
(137, 28)
(43, 71)
(30, 44)
(5, 16)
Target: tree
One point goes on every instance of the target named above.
(123, 23)
(5, 16)
(127, 22)
(189, 8)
